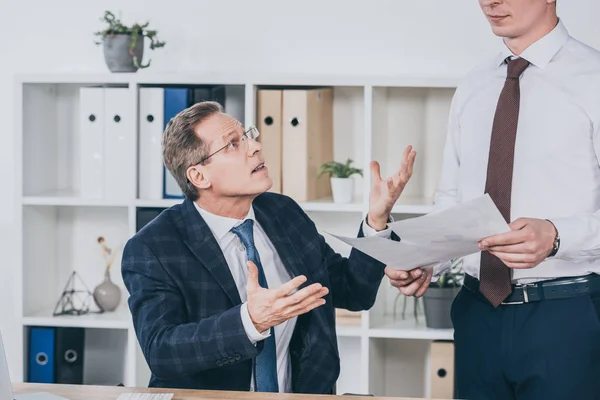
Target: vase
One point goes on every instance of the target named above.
(107, 295)
(438, 304)
(117, 55)
(342, 190)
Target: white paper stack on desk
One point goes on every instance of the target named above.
(436, 237)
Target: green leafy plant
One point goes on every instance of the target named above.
(339, 170)
(452, 278)
(116, 27)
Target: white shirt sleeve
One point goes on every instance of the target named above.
(253, 334)
(580, 234)
(368, 231)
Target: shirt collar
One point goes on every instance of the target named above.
(542, 51)
(219, 225)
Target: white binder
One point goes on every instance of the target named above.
(151, 123)
(91, 142)
(119, 145)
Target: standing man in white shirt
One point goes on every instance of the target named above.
(525, 128)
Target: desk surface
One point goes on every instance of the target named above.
(78, 392)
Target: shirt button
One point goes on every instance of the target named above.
(241, 248)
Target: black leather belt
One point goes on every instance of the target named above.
(545, 290)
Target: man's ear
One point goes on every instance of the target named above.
(198, 178)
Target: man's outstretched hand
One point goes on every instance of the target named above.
(385, 192)
(410, 283)
(271, 307)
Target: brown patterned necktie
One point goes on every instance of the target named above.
(495, 276)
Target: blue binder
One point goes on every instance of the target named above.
(176, 100)
(41, 355)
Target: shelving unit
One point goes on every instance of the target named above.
(374, 118)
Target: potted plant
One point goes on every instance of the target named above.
(342, 184)
(124, 45)
(438, 298)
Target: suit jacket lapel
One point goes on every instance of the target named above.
(201, 241)
(281, 240)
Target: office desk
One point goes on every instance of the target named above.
(79, 392)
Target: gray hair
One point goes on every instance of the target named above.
(182, 147)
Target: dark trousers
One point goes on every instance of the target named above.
(546, 350)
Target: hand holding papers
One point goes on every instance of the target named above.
(436, 237)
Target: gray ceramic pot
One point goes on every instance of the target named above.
(117, 55)
(437, 303)
(107, 295)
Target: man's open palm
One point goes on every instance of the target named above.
(271, 307)
(385, 192)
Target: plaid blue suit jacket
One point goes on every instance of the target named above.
(186, 307)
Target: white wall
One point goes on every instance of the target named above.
(308, 36)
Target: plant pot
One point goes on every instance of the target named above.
(342, 189)
(107, 295)
(117, 55)
(437, 303)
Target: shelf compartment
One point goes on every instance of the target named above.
(58, 132)
(104, 356)
(351, 364)
(398, 368)
(416, 116)
(303, 127)
(60, 240)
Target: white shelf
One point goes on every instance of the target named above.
(118, 319)
(412, 205)
(374, 118)
(409, 328)
(316, 205)
(325, 205)
(69, 199)
(349, 331)
(151, 78)
(329, 205)
(161, 203)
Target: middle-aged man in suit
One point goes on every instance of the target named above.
(234, 289)
(527, 318)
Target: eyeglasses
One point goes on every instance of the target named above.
(251, 133)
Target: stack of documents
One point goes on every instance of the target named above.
(435, 238)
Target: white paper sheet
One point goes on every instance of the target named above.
(435, 238)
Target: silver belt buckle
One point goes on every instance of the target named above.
(523, 287)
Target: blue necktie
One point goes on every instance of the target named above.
(265, 374)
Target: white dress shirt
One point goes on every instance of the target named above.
(275, 273)
(556, 162)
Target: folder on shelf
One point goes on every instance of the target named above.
(69, 348)
(442, 369)
(209, 93)
(91, 142)
(119, 145)
(269, 124)
(235, 102)
(144, 215)
(158, 105)
(307, 142)
(346, 317)
(151, 125)
(41, 355)
(175, 100)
